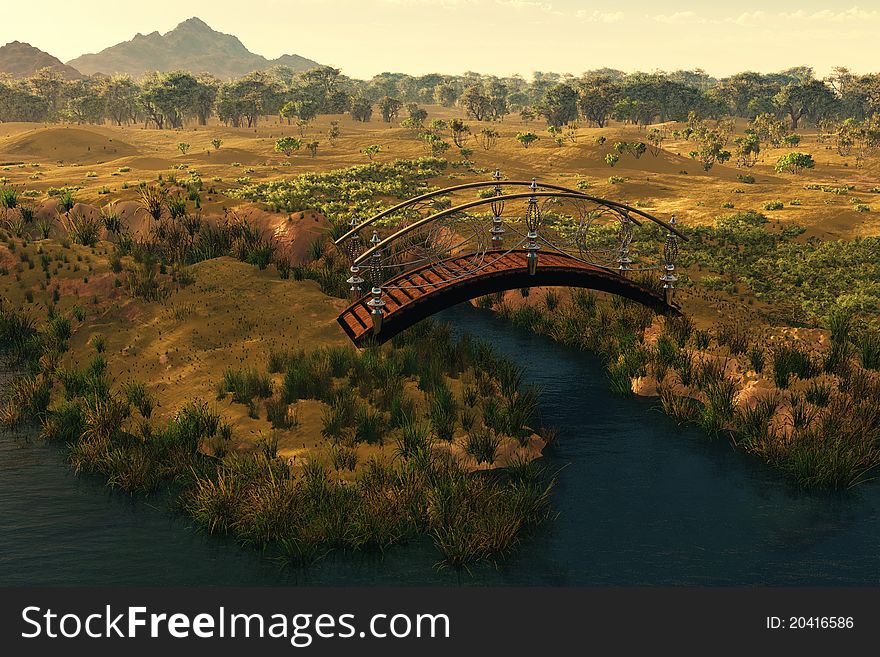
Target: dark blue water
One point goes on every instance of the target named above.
(639, 501)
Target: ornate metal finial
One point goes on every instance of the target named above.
(354, 250)
(533, 221)
(624, 236)
(497, 229)
(670, 255)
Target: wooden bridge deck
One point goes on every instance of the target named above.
(407, 304)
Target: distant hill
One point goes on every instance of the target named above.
(191, 46)
(21, 60)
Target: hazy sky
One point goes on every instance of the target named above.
(365, 37)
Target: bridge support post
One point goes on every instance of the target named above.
(497, 229)
(376, 305)
(670, 254)
(533, 220)
(354, 250)
(625, 235)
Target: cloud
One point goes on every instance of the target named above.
(597, 16)
(680, 18)
(831, 15)
(527, 5)
(445, 4)
(750, 18)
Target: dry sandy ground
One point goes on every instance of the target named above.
(234, 314)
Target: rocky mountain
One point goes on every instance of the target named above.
(191, 46)
(21, 60)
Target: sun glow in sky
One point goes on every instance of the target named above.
(366, 37)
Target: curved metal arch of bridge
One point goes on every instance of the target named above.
(495, 199)
(570, 193)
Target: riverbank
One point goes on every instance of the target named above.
(804, 401)
(399, 431)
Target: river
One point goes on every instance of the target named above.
(639, 501)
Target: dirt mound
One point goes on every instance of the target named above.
(293, 233)
(149, 163)
(67, 144)
(228, 156)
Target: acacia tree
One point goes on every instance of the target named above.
(119, 95)
(747, 148)
(488, 138)
(167, 98)
(559, 105)
(445, 95)
(390, 108)
(477, 105)
(656, 137)
(361, 109)
(498, 105)
(460, 132)
(596, 99)
(769, 129)
(805, 98)
(204, 97)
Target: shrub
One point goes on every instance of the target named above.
(791, 360)
(246, 384)
(482, 444)
(795, 162)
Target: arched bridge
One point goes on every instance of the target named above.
(438, 253)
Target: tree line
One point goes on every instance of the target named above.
(169, 100)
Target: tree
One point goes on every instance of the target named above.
(497, 95)
(636, 148)
(795, 162)
(768, 129)
(119, 94)
(559, 105)
(747, 148)
(596, 99)
(488, 138)
(47, 84)
(312, 146)
(371, 150)
(204, 97)
(747, 94)
(216, 143)
(460, 132)
(287, 145)
(656, 137)
(333, 132)
(183, 147)
(477, 105)
(390, 108)
(527, 114)
(169, 99)
(526, 138)
(611, 159)
(435, 144)
(445, 95)
(244, 100)
(361, 109)
(416, 113)
(804, 99)
(711, 141)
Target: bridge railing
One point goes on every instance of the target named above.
(431, 229)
